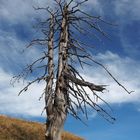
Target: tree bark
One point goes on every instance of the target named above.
(57, 110)
(49, 91)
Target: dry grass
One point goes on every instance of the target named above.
(15, 129)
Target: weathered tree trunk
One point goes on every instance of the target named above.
(57, 109)
(66, 21)
(49, 91)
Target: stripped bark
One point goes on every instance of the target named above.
(61, 91)
(49, 90)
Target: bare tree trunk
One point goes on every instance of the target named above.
(49, 91)
(57, 109)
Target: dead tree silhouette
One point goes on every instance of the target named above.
(65, 91)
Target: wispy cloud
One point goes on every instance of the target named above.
(12, 62)
(12, 58)
(25, 104)
(121, 8)
(21, 11)
(128, 9)
(124, 69)
(10, 10)
(94, 5)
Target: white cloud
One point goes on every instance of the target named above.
(94, 5)
(25, 104)
(128, 8)
(15, 11)
(21, 10)
(123, 10)
(125, 70)
(11, 48)
(12, 61)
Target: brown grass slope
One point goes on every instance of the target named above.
(15, 129)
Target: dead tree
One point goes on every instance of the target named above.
(65, 91)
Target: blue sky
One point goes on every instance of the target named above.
(121, 55)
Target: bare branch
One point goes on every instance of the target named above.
(37, 42)
(129, 92)
(85, 83)
(30, 83)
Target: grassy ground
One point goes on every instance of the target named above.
(15, 129)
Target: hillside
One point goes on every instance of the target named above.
(16, 129)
